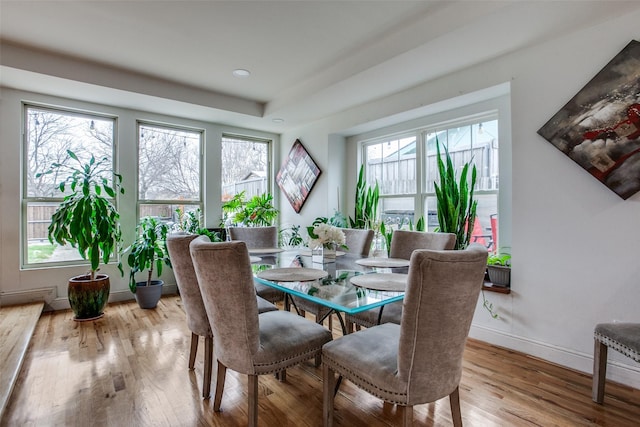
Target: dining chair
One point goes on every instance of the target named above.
(357, 241)
(197, 319)
(245, 342)
(403, 243)
(259, 238)
(420, 360)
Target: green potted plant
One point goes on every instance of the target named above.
(499, 269)
(88, 220)
(256, 212)
(366, 210)
(148, 252)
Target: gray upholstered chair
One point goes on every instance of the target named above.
(259, 238)
(622, 337)
(403, 243)
(420, 360)
(197, 320)
(357, 241)
(245, 342)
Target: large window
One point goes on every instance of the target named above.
(169, 171)
(405, 168)
(245, 166)
(48, 134)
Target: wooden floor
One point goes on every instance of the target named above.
(130, 369)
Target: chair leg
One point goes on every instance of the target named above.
(407, 415)
(454, 402)
(208, 366)
(253, 401)
(193, 351)
(328, 386)
(348, 326)
(222, 371)
(599, 371)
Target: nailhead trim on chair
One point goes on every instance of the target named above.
(627, 351)
(311, 354)
(370, 388)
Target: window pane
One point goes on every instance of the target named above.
(168, 163)
(171, 214)
(50, 134)
(244, 167)
(39, 249)
(392, 164)
(397, 212)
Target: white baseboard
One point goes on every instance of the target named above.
(616, 371)
(46, 295)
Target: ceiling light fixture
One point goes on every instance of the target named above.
(240, 72)
(277, 120)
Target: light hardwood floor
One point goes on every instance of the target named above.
(130, 369)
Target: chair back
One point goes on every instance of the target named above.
(255, 237)
(358, 241)
(182, 266)
(403, 242)
(442, 292)
(226, 283)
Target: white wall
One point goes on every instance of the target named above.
(575, 244)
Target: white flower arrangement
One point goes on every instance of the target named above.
(325, 235)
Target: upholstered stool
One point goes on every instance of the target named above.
(622, 337)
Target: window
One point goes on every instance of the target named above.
(48, 134)
(405, 168)
(169, 171)
(245, 167)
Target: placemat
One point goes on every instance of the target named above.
(254, 259)
(395, 282)
(265, 250)
(383, 262)
(308, 252)
(292, 274)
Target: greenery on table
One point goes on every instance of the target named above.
(87, 219)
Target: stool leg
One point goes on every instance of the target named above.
(599, 371)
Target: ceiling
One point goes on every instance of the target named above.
(308, 59)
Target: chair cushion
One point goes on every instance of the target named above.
(287, 339)
(368, 359)
(622, 337)
(392, 313)
(264, 305)
(268, 293)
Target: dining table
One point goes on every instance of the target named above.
(349, 284)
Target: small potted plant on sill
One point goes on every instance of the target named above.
(149, 251)
(87, 219)
(499, 269)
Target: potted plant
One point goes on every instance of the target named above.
(499, 269)
(88, 220)
(148, 252)
(256, 212)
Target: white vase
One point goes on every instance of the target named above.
(325, 253)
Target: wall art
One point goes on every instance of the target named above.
(297, 176)
(599, 128)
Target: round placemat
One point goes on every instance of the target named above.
(394, 282)
(265, 250)
(292, 274)
(383, 262)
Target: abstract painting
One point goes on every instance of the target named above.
(599, 128)
(297, 176)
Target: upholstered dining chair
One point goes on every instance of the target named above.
(245, 342)
(197, 319)
(403, 243)
(357, 241)
(420, 360)
(259, 238)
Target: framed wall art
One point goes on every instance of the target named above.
(297, 176)
(599, 128)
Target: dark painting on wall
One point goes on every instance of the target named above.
(599, 128)
(297, 176)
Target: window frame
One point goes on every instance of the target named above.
(24, 190)
(268, 167)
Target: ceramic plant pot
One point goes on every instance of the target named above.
(148, 296)
(87, 297)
